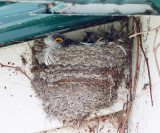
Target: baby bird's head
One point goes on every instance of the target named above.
(102, 41)
(92, 37)
(54, 41)
(57, 40)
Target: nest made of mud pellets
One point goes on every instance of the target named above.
(82, 80)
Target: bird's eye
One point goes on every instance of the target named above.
(101, 39)
(59, 40)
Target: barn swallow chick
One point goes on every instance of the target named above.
(53, 42)
(93, 38)
(102, 41)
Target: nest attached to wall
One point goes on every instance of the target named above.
(82, 80)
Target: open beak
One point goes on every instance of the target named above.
(120, 40)
(101, 40)
(59, 40)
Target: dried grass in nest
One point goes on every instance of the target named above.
(82, 80)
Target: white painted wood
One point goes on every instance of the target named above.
(144, 118)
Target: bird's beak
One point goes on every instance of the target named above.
(120, 40)
(59, 40)
(100, 39)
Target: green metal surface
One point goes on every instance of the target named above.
(20, 8)
(27, 22)
(23, 19)
(156, 5)
(153, 3)
(88, 1)
(40, 24)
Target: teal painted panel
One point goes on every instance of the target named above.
(104, 1)
(85, 1)
(40, 24)
(22, 19)
(20, 8)
(156, 5)
(5, 3)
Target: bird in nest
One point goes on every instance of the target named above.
(105, 39)
(56, 41)
(53, 42)
(81, 79)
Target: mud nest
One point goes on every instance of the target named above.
(82, 80)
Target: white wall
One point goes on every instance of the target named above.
(144, 118)
(21, 110)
